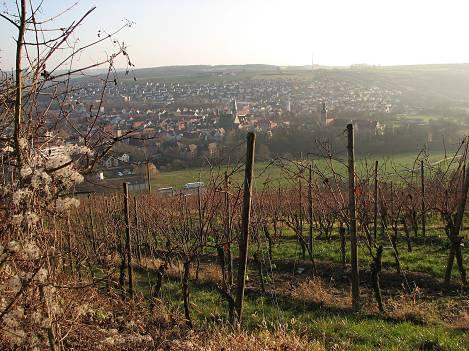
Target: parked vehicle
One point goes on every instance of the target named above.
(193, 185)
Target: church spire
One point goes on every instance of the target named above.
(323, 114)
(234, 107)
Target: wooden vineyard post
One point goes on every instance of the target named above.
(300, 221)
(128, 244)
(92, 231)
(375, 201)
(422, 179)
(148, 177)
(455, 239)
(246, 212)
(464, 182)
(228, 230)
(343, 247)
(138, 239)
(353, 219)
(310, 214)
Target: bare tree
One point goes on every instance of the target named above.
(39, 167)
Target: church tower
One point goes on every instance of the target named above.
(229, 119)
(323, 121)
(234, 108)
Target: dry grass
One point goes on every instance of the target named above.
(110, 322)
(280, 339)
(207, 272)
(455, 313)
(462, 322)
(317, 291)
(412, 307)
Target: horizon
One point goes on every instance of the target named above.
(234, 175)
(208, 32)
(307, 67)
(286, 67)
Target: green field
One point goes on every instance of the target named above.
(273, 173)
(325, 315)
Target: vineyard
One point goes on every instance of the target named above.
(324, 253)
(185, 252)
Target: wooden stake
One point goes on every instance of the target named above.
(455, 230)
(128, 244)
(375, 201)
(148, 177)
(301, 240)
(353, 219)
(422, 179)
(228, 230)
(310, 214)
(244, 239)
(138, 238)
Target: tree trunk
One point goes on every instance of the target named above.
(260, 269)
(460, 262)
(449, 266)
(454, 233)
(185, 292)
(221, 262)
(19, 84)
(269, 242)
(395, 250)
(407, 235)
(375, 271)
(415, 225)
(156, 288)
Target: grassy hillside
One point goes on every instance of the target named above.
(272, 173)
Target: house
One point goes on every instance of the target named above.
(116, 161)
(371, 127)
(110, 162)
(124, 158)
(265, 124)
(149, 132)
(212, 150)
(192, 148)
(138, 124)
(109, 130)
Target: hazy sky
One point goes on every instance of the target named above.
(282, 32)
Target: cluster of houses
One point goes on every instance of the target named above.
(116, 161)
(266, 97)
(207, 111)
(192, 120)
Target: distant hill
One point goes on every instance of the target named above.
(442, 82)
(199, 70)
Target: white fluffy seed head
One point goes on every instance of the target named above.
(26, 171)
(13, 246)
